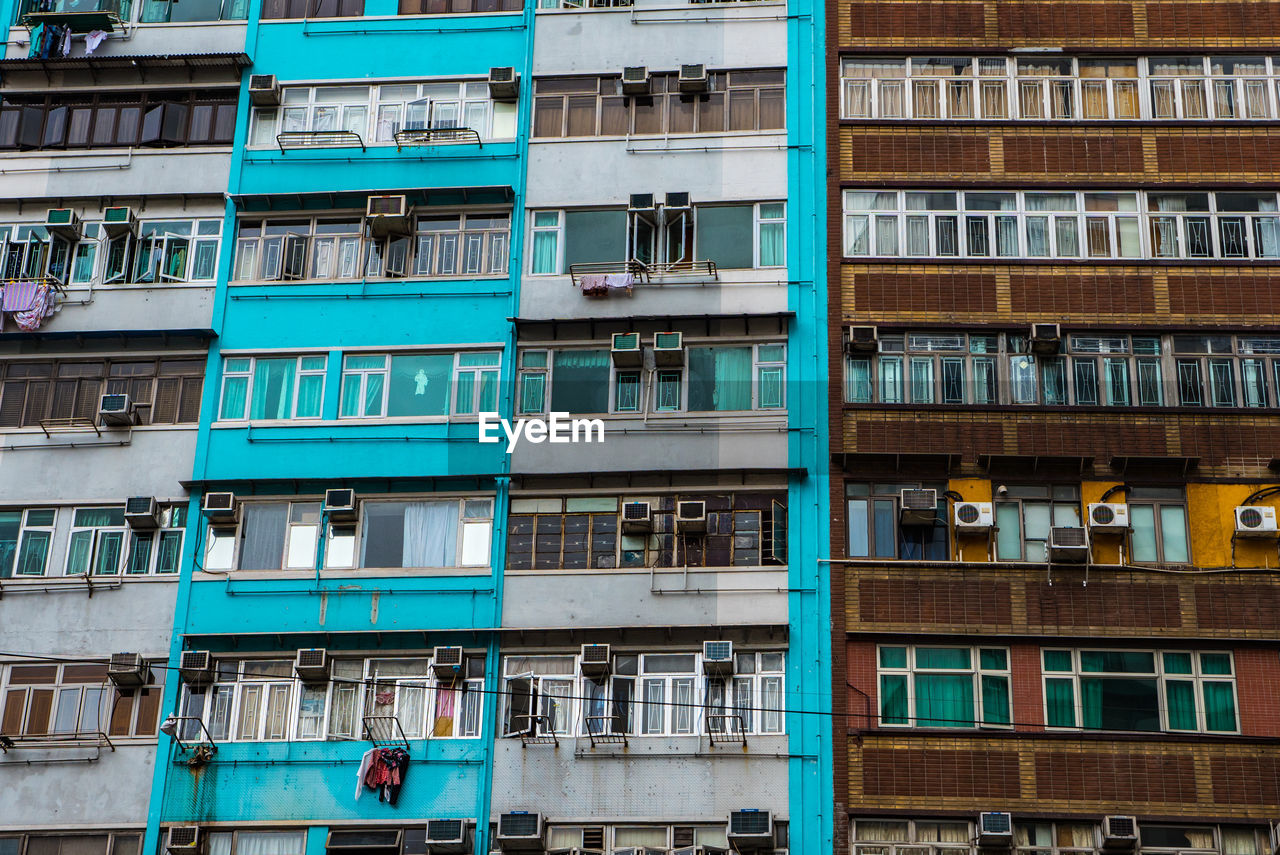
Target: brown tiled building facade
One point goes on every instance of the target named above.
(1055, 285)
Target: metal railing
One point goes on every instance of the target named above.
(79, 739)
(384, 731)
(641, 272)
(294, 140)
(436, 136)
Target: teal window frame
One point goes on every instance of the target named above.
(26, 541)
(910, 676)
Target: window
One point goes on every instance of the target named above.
(1025, 514)
(257, 842)
(940, 87)
(376, 113)
(174, 12)
(158, 551)
(116, 843)
(97, 542)
(547, 231)
(1140, 690)
(462, 245)
(875, 529)
(273, 388)
(1210, 88)
(647, 694)
(944, 686)
(162, 252)
(1158, 519)
(165, 391)
(25, 538)
(411, 385)
(1055, 838)
(1227, 839)
(87, 120)
(584, 532)
(1207, 373)
(737, 101)
(911, 837)
(66, 700)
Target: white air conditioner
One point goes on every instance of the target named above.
(691, 517)
(182, 840)
(1119, 832)
(596, 660)
(862, 339)
(717, 658)
(637, 518)
(128, 670)
(626, 351)
(119, 221)
(692, 78)
(519, 831)
(195, 667)
(973, 517)
(312, 665)
(995, 829)
(115, 409)
(750, 830)
(677, 200)
(918, 507)
(668, 349)
(1068, 544)
(641, 202)
(1045, 338)
(504, 83)
(264, 90)
(142, 512)
(635, 80)
(388, 215)
(65, 223)
(448, 836)
(219, 507)
(1256, 521)
(340, 505)
(1108, 517)
(446, 663)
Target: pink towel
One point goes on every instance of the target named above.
(41, 308)
(19, 296)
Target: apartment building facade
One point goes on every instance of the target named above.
(116, 124)
(1053, 425)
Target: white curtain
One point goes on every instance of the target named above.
(270, 842)
(430, 534)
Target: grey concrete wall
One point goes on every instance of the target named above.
(111, 792)
(134, 308)
(54, 471)
(735, 292)
(635, 598)
(58, 617)
(151, 39)
(667, 779)
(115, 173)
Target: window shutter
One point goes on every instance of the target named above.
(12, 397)
(14, 701)
(189, 403)
(165, 406)
(89, 393)
(682, 835)
(593, 837)
(64, 400)
(37, 403)
(140, 393)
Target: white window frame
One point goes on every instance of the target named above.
(558, 229)
(167, 530)
(759, 221)
(758, 367)
(298, 373)
(25, 527)
(363, 374)
(96, 536)
(479, 375)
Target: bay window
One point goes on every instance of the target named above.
(1137, 690)
(944, 686)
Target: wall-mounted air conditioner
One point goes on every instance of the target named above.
(635, 80)
(995, 830)
(692, 78)
(637, 518)
(312, 665)
(717, 658)
(691, 517)
(1256, 521)
(596, 660)
(677, 200)
(1119, 833)
(1045, 338)
(340, 505)
(1108, 517)
(973, 517)
(668, 349)
(504, 83)
(219, 507)
(388, 215)
(862, 339)
(626, 351)
(446, 662)
(918, 507)
(750, 830)
(65, 223)
(128, 670)
(182, 840)
(641, 202)
(519, 831)
(1068, 544)
(115, 409)
(264, 90)
(142, 512)
(449, 836)
(195, 667)
(119, 221)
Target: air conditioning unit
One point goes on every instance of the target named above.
(448, 836)
(626, 350)
(1255, 521)
(635, 80)
(693, 78)
(142, 512)
(387, 841)
(219, 507)
(862, 339)
(504, 83)
(128, 670)
(750, 830)
(312, 665)
(119, 221)
(995, 829)
(264, 90)
(641, 202)
(388, 215)
(973, 517)
(1045, 338)
(1119, 832)
(691, 517)
(597, 660)
(1108, 517)
(1068, 544)
(677, 200)
(637, 518)
(195, 667)
(115, 409)
(64, 223)
(340, 505)
(717, 658)
(519, 831)
(182, 840)
(918, 507)
(446, 663)
(668, 349)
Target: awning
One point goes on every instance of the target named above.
(189, 61)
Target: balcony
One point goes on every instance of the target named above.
(1236, 778)
(82, 16)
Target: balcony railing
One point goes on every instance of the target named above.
(81, 16)
(293, 140)
(641, 272)
(436, 136)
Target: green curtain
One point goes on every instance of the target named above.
(944, 700)
(419, 385)
(928, 658)
(580, 381)
(995, 700)
(719, 378)
(234, 390)
(773, 234)
(1059, 703)
(544, 252)
(893, 699)
(272, 389)
(1091, 702)
(1219, 706)
(1180, 696)
(310, 394)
